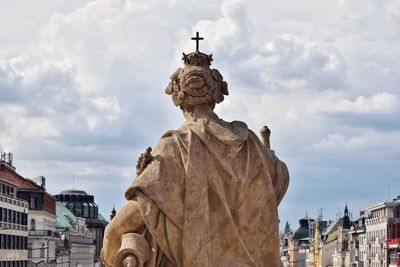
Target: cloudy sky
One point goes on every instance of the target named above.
(82, 90)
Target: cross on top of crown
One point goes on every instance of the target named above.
(197, 39)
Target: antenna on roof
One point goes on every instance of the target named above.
(73, 182)
(7, 157)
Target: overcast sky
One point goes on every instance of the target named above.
(82, 90)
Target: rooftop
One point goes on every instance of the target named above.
(73, 192)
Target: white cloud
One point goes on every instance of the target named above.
(377, 103)
(365, 143)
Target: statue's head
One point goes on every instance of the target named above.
(196, 83)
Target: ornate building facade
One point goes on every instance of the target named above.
(82, 205)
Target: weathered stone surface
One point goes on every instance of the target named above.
(208, 194)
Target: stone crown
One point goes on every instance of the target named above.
(197, 59)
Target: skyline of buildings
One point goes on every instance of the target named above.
(372, 240)
(39, 229)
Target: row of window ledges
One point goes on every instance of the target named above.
(13, 216)
(15, 201)
(13, 263)
(10, 226)
(47, 233)
(15, 242)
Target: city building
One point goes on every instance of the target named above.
(41, 235)
(336, 242)
(380, 217)
(76, 245)
(393, 239)
(82, 205)
(13, 219)
(357, 247)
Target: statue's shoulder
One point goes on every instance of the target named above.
(242, 127)
(182, 131)
(172, 138)
(239, 124)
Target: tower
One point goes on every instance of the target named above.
(113, 213)
(317, 240)
(346, 218)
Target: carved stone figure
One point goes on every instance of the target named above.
(207, 194)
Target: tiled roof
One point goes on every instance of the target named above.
(17, 180)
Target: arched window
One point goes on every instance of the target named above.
(33, 225)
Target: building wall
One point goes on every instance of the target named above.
(42, 220)
(42, 236)
(362, 247)
(82, 254)
(376, 234)
(77, 247)
(327, 250)
(13, 229)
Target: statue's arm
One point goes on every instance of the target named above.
(127, 220)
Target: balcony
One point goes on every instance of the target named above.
(43, 233)
(393, 243)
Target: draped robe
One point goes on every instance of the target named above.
(210, 196)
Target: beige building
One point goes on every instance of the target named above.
(376, 234)
(357, 244)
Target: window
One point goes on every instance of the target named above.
(5, 215)
(32, 203)
(42, 251)
(14, 216)
(8, 244)
(78, 209)
(33, 225)
(24, 219)
(29, 252)
(91, 210)
(85, 210)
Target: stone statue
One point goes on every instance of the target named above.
(207, 194)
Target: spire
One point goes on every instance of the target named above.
(346, 218)
(113, 213)
(287, 228)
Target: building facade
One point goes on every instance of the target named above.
(13, 220)
(76, 246)
(377, 224)
(41, 215)
(393, 241)
(82, 205)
